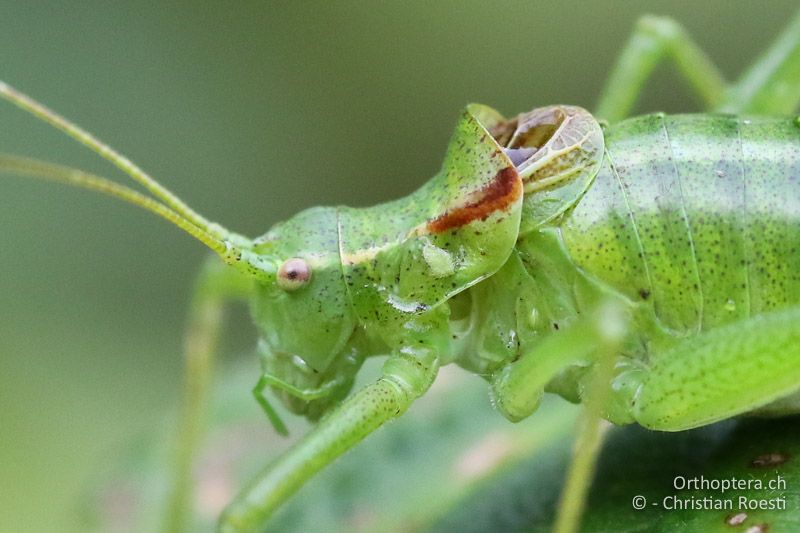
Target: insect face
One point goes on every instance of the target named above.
(304, 315)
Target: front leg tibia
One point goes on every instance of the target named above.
(517, 388)
(405, 378)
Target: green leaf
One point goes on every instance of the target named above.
(663, 468)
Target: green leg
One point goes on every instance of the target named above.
(772, 85)
(725, 372)
(655, 39)
(215, 284)
(405, 378)
(591, 425)
(518, 387)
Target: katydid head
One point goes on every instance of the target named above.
(304, 313)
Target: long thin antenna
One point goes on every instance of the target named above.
(234, 249)
(123, 163)
(78, 178)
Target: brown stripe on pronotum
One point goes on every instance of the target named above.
(504, 189)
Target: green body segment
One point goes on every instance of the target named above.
(696, 216)
(403, 258)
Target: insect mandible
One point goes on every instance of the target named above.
(646, 266)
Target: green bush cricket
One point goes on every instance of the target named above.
(646, 267)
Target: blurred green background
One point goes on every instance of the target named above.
(250, 111)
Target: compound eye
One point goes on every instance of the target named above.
(293, 274)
